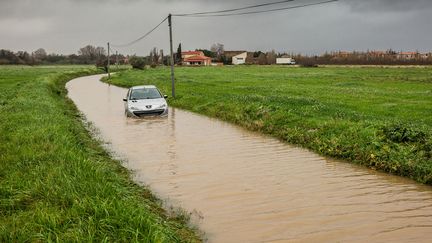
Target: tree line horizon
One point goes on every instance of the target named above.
(97, 55)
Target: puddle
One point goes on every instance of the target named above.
(246, 187)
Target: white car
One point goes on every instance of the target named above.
(145, 100)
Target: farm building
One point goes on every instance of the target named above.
(285, 60)
(231, 54)
(239, 59)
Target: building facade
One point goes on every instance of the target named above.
(195, 58)
(239, 59)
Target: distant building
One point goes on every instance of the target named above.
(285, 61)
(187, 54)
(231, 54)
(426, 55)
(377, 54)
(343, 54)
(195, 58)
(407, 55)
(239, 59)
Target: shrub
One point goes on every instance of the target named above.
(137, 62)
(403, 133)
(309, 64)
(102, 64)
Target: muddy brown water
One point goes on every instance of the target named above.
(246, 187)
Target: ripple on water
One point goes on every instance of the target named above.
(246, 187)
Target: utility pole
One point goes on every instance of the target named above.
(108, 66)
(117, 60)
(172, 57)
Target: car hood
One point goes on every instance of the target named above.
(147, 104)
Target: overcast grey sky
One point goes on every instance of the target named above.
(63, 26)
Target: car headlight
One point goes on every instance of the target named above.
(163, 106)
(132, 108)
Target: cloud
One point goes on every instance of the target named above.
(387, 5)
(25, 28)
(349, 24)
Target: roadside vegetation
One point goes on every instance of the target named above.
(56, 182)
(377, 117)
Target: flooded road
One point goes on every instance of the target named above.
(246, 187)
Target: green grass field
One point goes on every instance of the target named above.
(56, 182)
(378, 117)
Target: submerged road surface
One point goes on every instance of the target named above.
(246, 187)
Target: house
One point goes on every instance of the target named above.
(426, 55)
(407, 55)
(187, 54)
(343, 54)
(230, 54)
(195, 58)
(239, 59)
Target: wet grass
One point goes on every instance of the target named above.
(377, 117)
(56, 182)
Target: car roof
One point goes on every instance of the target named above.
(143, 87)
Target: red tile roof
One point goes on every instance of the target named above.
(195, 53)
(196, 59)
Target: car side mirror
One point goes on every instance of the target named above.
(124, 99)
(165, 96)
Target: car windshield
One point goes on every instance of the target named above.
(145, 93)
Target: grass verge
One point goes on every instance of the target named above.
(377, 117)
(56, 182)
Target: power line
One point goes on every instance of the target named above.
(235, 9)
(142, 37)
(112, 50)
(220, 13)
(260, 11)
(215, 14)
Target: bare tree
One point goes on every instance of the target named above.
(271, 57)
(100, 52)
(262, 59)
(88, 51)
(91, 53)
(154, 56)
(218, 48)
(161, 56)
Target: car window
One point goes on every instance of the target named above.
(145, 93)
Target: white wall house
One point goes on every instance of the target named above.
(239, 59)
(285, 60)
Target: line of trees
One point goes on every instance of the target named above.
(389, 57)
(86, 55)
(98, 55)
